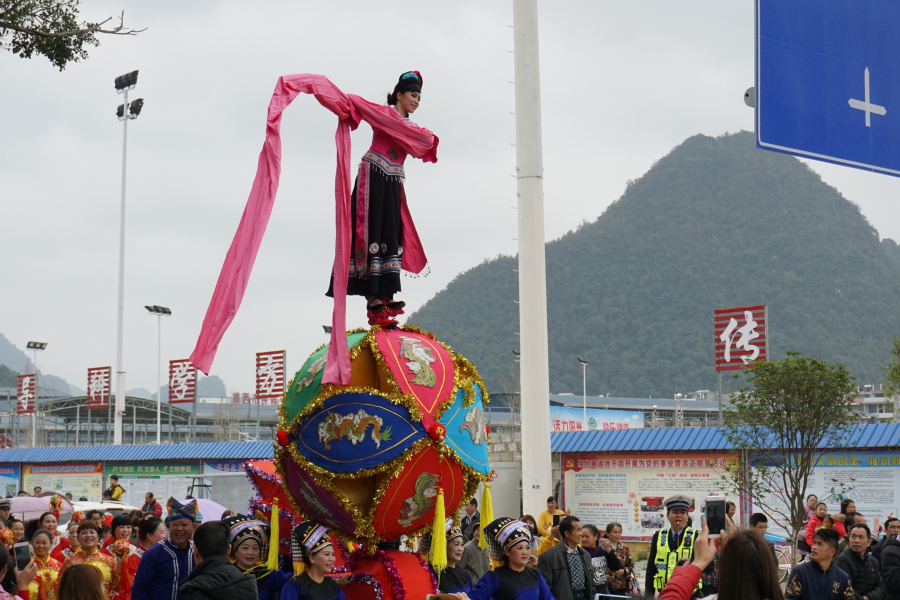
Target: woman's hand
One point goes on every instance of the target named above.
(342, 580)
(704, 548)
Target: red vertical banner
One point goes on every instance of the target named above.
(182, 381)
(98, 387)
(26, 393)
(270, 374)
(742, 336)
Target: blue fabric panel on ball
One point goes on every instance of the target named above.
(466, 432)
(355, 431)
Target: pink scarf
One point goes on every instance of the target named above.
(232, 283)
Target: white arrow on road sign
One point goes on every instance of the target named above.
(865, 105)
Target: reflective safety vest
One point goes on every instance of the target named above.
(667, 559)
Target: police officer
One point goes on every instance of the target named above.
(670, 545)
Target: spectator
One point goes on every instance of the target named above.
(114, 491)
(164, 566)
(890, 567)
(670, 545)
(228, 513)
(81, 582)
(810, 507)
(313, 556)
(48, 568)
(760, 523)
(566, 567)
(850, 519)
(69, 496)
(475, 560)
(38, 490)
(891, 527)
(60, 553)
(21, 579)
(746, 571)
(151, 505)
(214, 577)
(545, 519)
(5, 506)
(510, 544)
(619, 581)
(89, 554)
(18, 529)
(820, 579)
(731, 510)
(151, 532)
(847, 506)
(82, 498)
(470, 517)
(95, 517)
(603, 559)
(862, 567)
(815, 522)
(532, 525)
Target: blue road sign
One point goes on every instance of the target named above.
(828, 81)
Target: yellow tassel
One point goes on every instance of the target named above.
(439, 535)
(274, 540)
(299, 568)
(487, 513)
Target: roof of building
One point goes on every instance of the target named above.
(699, 439)
(212, 451)
(633, 403)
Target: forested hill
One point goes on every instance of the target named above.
(716, 223)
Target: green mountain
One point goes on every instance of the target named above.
(716, 223)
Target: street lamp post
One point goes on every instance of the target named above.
(160, 312)
(35, 347)
(584, 388)
(125, 112)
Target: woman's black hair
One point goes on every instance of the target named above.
(147, 527)
(593, 529)
(411, 81)
(42, 532)
(746, 568)
(611, 526)
(844, 504)
(121, 520)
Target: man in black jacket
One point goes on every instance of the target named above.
(891, 527)
(214, 577)
(567, 567)
(862, 567)
(890, 567)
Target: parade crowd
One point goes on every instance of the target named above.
(555, 556)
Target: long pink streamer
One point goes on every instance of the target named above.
(232, 283)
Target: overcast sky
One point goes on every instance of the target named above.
(622, 84)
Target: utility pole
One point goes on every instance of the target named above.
(160, 312)
(535, 367)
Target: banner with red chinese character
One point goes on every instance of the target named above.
(742, 336)
(270, 374)
(570, 418)
(182, 381)
(26, 393)
(630, 489)
(98, 387)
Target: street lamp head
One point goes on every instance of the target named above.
(120, 112)
(159, 310)
(126, 81)
(517, 353)
(135, 106)
(37, 345)
(582, 361)
(327, 329)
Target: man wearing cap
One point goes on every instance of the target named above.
(167, 564)
(5, 506)
(671, 545)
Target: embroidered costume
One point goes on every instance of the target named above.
(129, 557)
(307, 539)
(44, 583)
(243, 528)
(385, 120)
(164, 567)
(455, 579)
(504, 583)
(103, 562)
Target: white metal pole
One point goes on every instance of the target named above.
(584, 391)
(37, 394)
(159, 380)
(535, 402)
(120, 332)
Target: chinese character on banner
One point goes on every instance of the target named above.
(741, 336)
(26, 391)
(182, 381)
(270, 374)
(98, 387)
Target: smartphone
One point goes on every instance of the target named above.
(22, 551)
(556, 520)
(715, 514)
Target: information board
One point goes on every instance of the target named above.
(873, 476)
(630, 489)
(570, 418)
(9, 480)
(81, 479)
(162, 480)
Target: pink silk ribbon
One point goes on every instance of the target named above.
(233, 279)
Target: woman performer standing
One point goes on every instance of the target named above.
(378, 195)
(314, 557)
(88, 553)
(42, 587)
(249, 547)
(510, 544)
(451, 580)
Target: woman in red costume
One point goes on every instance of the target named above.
(42, 587)
(376, 250)
(89, 553)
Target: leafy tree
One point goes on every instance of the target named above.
(892, 375)
(779, 423)
(52, 28)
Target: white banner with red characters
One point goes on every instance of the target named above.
(630, 489)
(182, 381)
(26, 393)
(742, 336)
(270, 374)
(98, 387)
(571, 418)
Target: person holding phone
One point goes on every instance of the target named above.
(672, 545)
(23, 577)
(546, 520)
